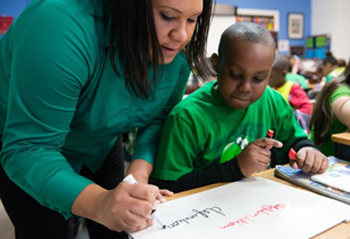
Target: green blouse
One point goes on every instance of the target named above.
(62, 105)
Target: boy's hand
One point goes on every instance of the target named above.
(310, 160)
(255, 156)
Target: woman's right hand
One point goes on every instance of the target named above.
(125, 208)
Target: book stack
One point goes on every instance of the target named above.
(334, 183)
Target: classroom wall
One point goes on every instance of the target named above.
(321, 16)
(12, 7)
(15, 7)
(331, 17)
(284, 7)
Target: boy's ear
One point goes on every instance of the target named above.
(285, 72)
(214, 59)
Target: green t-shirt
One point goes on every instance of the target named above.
(299, 79)
(327, 148)
(335, 73)
(203, 130)
(62, 105)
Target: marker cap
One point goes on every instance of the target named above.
(292, 154)
(269, 133)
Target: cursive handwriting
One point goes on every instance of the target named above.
(265, 210)
(204, 213)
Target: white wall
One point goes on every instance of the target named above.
(218, 26)
(331, 17)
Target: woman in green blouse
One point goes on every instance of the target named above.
(74, 76)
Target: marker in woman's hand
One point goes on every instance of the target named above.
(155, 214)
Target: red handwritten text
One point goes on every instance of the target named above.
(265, 210)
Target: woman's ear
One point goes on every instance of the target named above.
(214, 59)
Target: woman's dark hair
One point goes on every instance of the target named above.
(133, 33)
(323, 116)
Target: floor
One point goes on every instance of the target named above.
(7, 232)
(6, 227)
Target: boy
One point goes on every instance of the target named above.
(291, 92)
(217, 134)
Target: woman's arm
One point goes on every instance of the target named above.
(49, 66)
(141, 169)
(341, 108)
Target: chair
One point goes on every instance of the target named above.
(342, 151)
(312, 94)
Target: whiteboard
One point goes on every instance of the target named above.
(217, 27)
(250, 208)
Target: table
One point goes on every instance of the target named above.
(341, 138)
(341, 231)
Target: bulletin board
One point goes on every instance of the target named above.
(269, 19)
(5, 23)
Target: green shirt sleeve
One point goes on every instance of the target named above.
(50, 65)
(177, 149)
(339, 92)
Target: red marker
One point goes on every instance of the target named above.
(292, 154)
(269, 135)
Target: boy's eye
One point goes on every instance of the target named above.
(258, 80)
(234, 75)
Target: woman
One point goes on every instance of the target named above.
(331, 112)
(74, 76)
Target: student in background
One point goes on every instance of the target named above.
(195, 82)
(341, 63)
(331, 69)
(291, 91)
(74, 76)
(331, 112)
(299, 79)
(295, 77)
(295, 63)
(217, 134)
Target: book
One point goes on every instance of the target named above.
(313, 183)
(336, 176)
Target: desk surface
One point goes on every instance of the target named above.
(341, 231)
(341, 138)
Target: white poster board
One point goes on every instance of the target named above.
(251, 208)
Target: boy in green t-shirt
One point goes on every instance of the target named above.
(217, 134)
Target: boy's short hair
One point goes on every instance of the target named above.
(247, 31)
